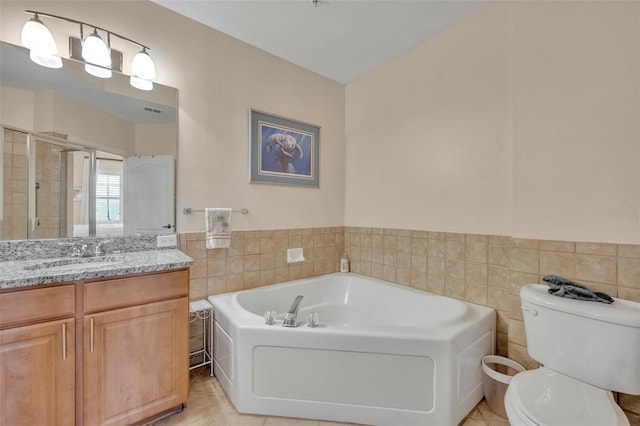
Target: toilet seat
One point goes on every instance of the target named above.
(544, 397)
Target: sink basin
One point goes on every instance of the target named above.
(74, 263)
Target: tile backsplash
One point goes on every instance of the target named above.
(257, 258)
(483, 269)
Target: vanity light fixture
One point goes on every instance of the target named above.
(42, 47)
(96, 52)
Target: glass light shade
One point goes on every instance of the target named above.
(142, 66)
(38, 39)
(140, 83)
(96, 52)
(143, 71)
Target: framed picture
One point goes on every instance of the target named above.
(284, 151)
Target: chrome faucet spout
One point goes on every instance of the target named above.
(291, 317)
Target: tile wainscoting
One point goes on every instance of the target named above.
(483, 269)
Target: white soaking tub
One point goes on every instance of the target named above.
(383, 354)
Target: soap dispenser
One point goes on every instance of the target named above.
(344, 263)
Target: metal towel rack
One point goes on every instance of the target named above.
(189, 210)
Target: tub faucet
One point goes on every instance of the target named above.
(291, 317)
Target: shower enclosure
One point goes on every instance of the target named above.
(52, 189)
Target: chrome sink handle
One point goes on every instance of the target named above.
(291, 317)
(100, 250)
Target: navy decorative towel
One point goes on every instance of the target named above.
(563, 287)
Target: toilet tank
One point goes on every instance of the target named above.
(592, 342)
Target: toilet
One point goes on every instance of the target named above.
(587, 349)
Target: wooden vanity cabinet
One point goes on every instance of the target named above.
(108, 352)
(136, 362)
(37, 357)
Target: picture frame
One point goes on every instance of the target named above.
(283, 151)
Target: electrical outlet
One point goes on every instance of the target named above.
(170, 240)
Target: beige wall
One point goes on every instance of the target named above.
(219, 79)
(522, 120)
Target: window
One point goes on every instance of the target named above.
(108, 197)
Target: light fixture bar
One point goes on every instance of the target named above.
(81, 23)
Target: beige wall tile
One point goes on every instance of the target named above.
(557, 263)
(419, 263)
(477, 249)
(603, 249)
(389, 231)
(295, 272)
(436, 266)
(454, 288)
(436, 248)
(268, 277)
(365, 268)
(251, 263)
(518, 279)
(438, 236)
(251, 279)
(419, 246)
(455, 270)
(499, 277)
(235, 264)
(628, 250)
(403, 276)
(403, 260)
(435, 284)
(216, 285)
(601, 269)
(498, 298)
(404, 233)
(419, 279)
(629, 272)
(475, 293)
(515, 310)
(419, 234)
(454, 236)
(198, 288)
(196, 249)
(499, 240)
(251, 246)
(217, 267)
(377, 270)
(234, 282)
(389, 273)
(476, 273)
(524, 260)
(192, 236)
(629, 294)
(563, 246)
(500, 256)
(199, 269)
(403, 244)
(525, 243)
(516, 332)
(455, 249)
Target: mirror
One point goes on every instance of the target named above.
(62, 126)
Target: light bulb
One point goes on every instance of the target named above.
(143, 71)
(38, 39)
(95, 52)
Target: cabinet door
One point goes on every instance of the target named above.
(37, 374)
(136, 362)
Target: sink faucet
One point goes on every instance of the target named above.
(291, 317)
(100, 250)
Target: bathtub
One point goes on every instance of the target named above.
(383, 354)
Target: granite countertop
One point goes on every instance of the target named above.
(31, 272)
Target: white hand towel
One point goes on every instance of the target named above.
(217, 223)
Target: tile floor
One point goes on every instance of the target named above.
(208, 405)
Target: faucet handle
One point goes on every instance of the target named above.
(100, 250)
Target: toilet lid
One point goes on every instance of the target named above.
(549, 398)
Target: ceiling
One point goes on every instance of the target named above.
(339, 39)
